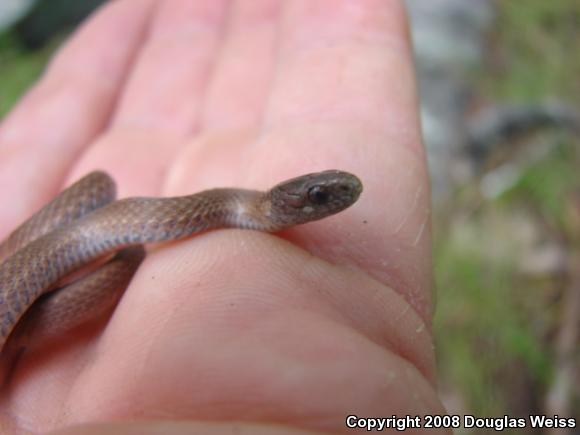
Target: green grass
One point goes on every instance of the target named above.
(540, 59)
(495, 323)
(483, 330)
(18, 70)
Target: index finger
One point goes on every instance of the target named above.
(345, 83)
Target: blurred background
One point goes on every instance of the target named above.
(500, 91)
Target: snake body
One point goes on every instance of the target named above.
(84, 224)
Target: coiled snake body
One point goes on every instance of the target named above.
(84, 224)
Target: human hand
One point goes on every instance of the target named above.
(299, 329)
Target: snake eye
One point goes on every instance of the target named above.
(318, 195)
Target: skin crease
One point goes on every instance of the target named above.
(235, 331)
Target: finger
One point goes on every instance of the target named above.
(303, 316)
(163, 97)
(71, 104)
(345, 88)
(345, 62)
(181, 428)
(240, 83)
(166, 91)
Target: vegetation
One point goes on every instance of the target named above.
(501, 263)
(505, 265)
(18, 69)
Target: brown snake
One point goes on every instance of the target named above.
(84, 223)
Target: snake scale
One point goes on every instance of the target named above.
(85, 223)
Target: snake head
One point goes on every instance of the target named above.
(313, 196)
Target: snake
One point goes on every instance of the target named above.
(71, 260)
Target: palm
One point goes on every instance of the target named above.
(235, 325)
